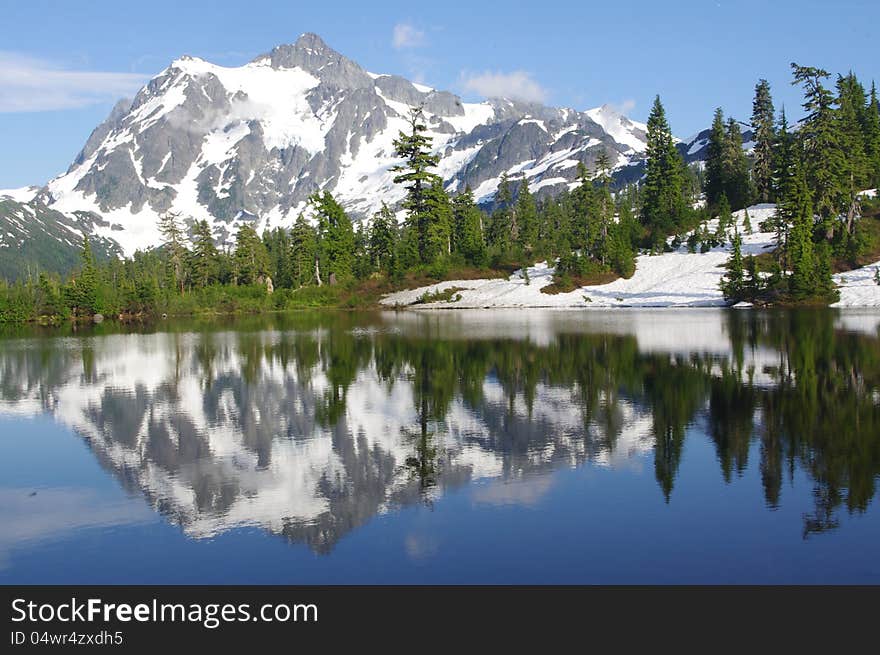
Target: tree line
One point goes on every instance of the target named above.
(813, 171)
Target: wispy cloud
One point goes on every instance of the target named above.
(517, 85)
(29, 84)
(406, 35)
(624, 107)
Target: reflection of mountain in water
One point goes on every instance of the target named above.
(309, 432)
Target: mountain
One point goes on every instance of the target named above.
(34, 237)
(250, 144)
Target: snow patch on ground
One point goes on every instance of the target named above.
(858, 288)
(674, 279)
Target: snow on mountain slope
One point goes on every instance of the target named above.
(623, 130)
(252, 143)
(22, 194)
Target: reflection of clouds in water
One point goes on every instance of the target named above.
(526, 492)
(49, 514)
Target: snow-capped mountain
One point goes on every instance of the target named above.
(250, 144)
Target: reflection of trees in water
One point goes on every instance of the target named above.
(816, 410)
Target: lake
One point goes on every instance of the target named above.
(506, 446)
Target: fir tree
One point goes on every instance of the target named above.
(439, 225)
(502, 230)
(850, 118)
(732, 284)
(335, 236)
(526, 217)
(872, 139)
(83, 293)
(414, 174)
(585, 219)
(786, 158)
(303, 252)
(251, 257)
(737, 185)
(823, 158)
(725, 218)
(663, 205)
(715, 178)
(204, 259)
(798, 208)
(48, 298)
(172, 237)
(763, 126)
(468, 231)
(383, 239)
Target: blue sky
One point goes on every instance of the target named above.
(63, 64)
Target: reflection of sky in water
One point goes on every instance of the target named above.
(363, 444)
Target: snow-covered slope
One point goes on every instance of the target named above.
(859, 288)
(252, 143)
(675, 279)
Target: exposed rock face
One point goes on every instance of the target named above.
(251, 144)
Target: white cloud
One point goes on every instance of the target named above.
(29, 84)
(625, 107)
(407, 36)
(517, 85)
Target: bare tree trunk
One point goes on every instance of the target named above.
(317, 272)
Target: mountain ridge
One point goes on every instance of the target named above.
(250, 144)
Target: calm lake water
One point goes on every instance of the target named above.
(527, 446)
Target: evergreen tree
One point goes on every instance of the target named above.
(468, 232)
(585, 228)
(737, 185)
(786, 158)
(763, 126)
(383, 240)
(303, 253)
(172, 237)
(725, 218)
(502, 230)
(798, 207)
(872, 139)
(82, 295)
(415, 148)
(850, 118)
(48, 297)
(439, 225)
(732, 284)
(335, 236)
(715, 180)
(205, 263)
(663, 206)
(251, 257)
(604, 209)
(620, 255)
(822, 156)
(362, 265)
(526, 217)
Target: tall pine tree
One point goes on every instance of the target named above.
(663, 206)
(414, 174)
(763, 126)
(822, 156)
